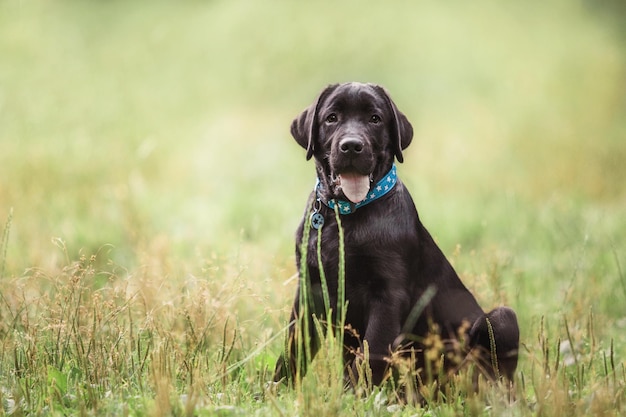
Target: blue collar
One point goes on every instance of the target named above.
(381, 188)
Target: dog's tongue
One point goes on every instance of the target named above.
(355, 186)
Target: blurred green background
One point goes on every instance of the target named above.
(159, 132)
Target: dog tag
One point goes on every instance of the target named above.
(317, 220)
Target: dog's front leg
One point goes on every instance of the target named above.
(383, 327)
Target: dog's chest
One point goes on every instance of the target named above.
(364, 243)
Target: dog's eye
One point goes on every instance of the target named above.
(331, 118)
(375, 119)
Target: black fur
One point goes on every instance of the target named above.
(390, 258)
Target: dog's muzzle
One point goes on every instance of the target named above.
(353, 168)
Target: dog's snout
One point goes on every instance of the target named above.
(351, 145)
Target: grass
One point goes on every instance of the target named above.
(149, 193)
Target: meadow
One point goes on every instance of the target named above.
(150, 191)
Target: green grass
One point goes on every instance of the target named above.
(150, 190)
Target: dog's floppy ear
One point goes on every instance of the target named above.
(402, 131)
(304, 127)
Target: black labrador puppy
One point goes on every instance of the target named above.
(399, 286)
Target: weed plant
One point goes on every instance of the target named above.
(84, 340)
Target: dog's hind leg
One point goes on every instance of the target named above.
(495, 337)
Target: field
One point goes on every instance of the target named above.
(150, 190)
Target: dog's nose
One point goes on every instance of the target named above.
(351, 145)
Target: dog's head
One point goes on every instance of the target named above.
(354, 131)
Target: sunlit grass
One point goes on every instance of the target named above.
(149, 190)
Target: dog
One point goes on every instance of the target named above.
(399, 286)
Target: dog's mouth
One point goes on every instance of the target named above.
(354, 186)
